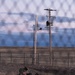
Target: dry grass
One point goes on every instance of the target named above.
(12, 69)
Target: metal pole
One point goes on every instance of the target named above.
(50, 39)
(50, 36)
(35, 39)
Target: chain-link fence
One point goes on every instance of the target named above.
(17, 22)
(38, 23)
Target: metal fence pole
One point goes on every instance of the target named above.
(24, 58)
(68, 61)
(0, 57)
(11, 57)
(38, 59)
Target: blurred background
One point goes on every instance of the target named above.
(26, 39)
(17, 23)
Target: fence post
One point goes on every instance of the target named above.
(52, 58)
(24, 58)
(32, 58)
(38, 58)
(0, 57)
(68, 60)
(11, 57)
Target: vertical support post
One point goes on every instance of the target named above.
(50, 39)
(24, 58)
(68, 61)
(35, 39)
(11, 57)
(38, 59)
(0, 57)
(50, 36)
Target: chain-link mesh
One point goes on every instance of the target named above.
(17, 22)
(38, 23)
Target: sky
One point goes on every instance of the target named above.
(65, 8)
(37, 6)
(15, 17)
